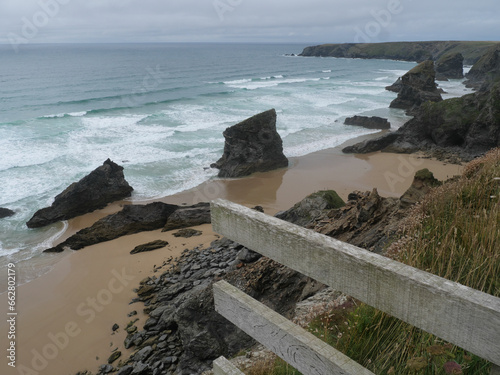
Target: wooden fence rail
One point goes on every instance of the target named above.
(463, 316)
(296, 346)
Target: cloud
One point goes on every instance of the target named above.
(247, 20)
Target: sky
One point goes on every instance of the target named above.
(273, 21)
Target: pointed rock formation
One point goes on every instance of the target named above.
(417, 87)
(450, 66)
(104, 185)
(252, 146)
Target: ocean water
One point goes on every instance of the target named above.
(159, 110)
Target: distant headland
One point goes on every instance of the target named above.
(406, 51)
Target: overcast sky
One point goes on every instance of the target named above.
(290, 21)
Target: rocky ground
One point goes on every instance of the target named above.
(183, 334)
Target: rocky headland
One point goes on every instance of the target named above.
(455, 129)
(102, 186)
(252, 146)
(406, 51)
(486, 72)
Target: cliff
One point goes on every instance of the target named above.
(407, 51)
(467, 127)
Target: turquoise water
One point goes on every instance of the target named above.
(159, 110)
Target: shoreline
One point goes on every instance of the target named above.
(78, 293)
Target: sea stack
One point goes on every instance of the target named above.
(450, 66)
(417, 87)
(104, 185)
(252, 146)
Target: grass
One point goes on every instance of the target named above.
(453, 233)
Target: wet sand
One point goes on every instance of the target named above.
(65, 316)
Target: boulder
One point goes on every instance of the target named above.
(131, 219)
(190, 216)
(418, 86)
(188, 233)
(251, 146)
(5, 212)
(102, 186)
(373, 122)
(303, 212)
(450, 66)
(150, 246)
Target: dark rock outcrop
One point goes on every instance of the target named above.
(189, 217)
(466, 127)
(5, 212)
(188, 233)
(131, 219)
(303, 212)
(104, 185)
(418, 86)
(486, 72)
(184, 329)
(373, 122)
(450, 66)
(150, 246)
(396, 86)
(251, 146)
(367, 220)
(423, 182)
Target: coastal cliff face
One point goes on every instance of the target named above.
(406, 51)
(104, 185)
(252, 146)
(467, 127)
(417, 87)
(458, 128)
(486, 71)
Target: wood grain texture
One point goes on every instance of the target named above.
(463, 316)
(296, 346)
(223, 367)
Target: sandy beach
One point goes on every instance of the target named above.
(64, 317)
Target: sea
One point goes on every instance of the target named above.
(159, 110)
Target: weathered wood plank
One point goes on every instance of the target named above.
(296, 346)
(495, 370)
(223, 367)
(463, 316)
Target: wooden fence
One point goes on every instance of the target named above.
(460, 315)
